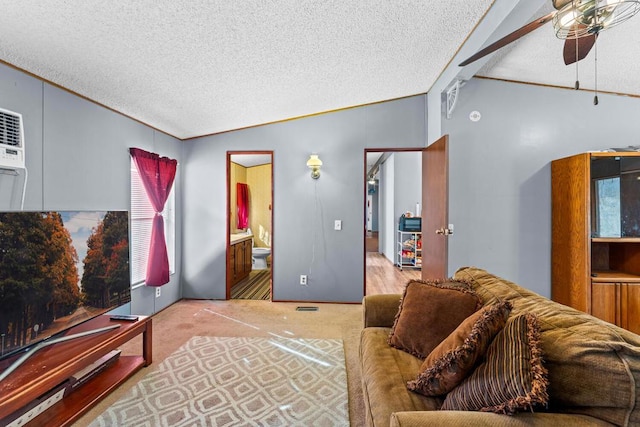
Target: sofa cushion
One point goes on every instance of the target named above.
(385, 372)
(511, 378)
(455, 357)
(429, 312)
(593, 366)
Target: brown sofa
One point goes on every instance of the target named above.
(593, 366)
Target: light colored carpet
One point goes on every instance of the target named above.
(174, 326)
(240, 381)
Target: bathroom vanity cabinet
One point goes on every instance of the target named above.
(239, 263)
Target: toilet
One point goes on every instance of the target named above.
(259, 256)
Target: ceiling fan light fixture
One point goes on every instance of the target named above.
(580, 18)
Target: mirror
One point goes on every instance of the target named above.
(615, 194)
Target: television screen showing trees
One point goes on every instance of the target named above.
(58, 269)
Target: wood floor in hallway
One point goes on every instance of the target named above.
(383, 277)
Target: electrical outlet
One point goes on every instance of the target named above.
(158, 292)
(337, 224)
(303, 279)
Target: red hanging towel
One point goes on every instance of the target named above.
(242, 201)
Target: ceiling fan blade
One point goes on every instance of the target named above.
(509, 38)
(577, 49)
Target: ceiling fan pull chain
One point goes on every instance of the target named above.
(577, 85)
(595, 53)
(595, 62)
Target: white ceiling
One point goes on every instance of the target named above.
(250, 160)
(192, 68)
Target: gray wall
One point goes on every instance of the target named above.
(304, 241)
(23, 94)
(387, 215)
(500, 185)
(77, 158)
(400, 184)
(407, 189)
(499, 179)
(407, 184)
(374, 209)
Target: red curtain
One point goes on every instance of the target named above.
(242, 202)
(157, 174)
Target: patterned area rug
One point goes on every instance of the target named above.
(243, 381)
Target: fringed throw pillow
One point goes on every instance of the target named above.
(429, 312)
(455, 357)
(512, 378)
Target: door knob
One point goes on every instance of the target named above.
(445, 231)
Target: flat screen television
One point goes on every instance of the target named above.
(57, 270)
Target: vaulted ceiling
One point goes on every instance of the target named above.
(192, 68)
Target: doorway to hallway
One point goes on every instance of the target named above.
(393, 186)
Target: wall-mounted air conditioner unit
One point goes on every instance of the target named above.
(11, 140)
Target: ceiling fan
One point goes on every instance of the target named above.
(577, 21)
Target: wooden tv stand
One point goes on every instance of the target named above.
(53, 365)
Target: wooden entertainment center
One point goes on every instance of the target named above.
(596, 235)
(55, 364)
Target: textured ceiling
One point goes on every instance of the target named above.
(192, 68)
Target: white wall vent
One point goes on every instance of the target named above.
(11, 140)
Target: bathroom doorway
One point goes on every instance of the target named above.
(249, 254)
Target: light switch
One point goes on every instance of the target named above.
(337, 225)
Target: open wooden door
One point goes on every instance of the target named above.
(435, 212)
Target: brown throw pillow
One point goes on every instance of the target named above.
(512, 377)
(429, 312)
(455, 357)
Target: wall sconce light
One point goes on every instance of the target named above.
(314, 163)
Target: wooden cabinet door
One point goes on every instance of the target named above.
(232, 264)
(630, 307)
(248, 256)
(240, 262)
(604, 301)
(239, 250)
(617, 303)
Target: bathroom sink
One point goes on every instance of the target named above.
(237, 237)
